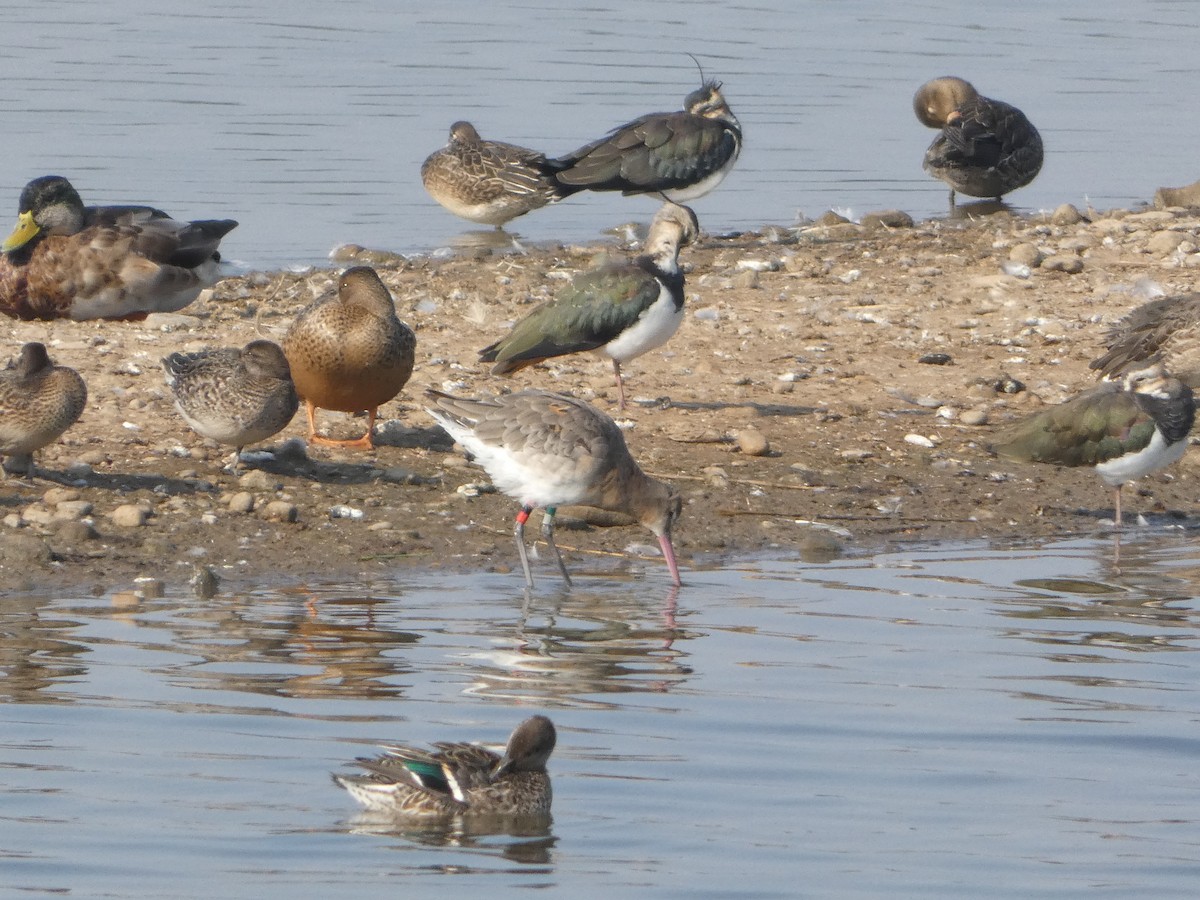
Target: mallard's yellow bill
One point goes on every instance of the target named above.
(24, 233)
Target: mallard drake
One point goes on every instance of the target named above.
(985, 148)
(349, 352)
(67, 261)
(1165, 330)
(460, 779)
(38, 402)
(621, 310)
(488, 182)
(548, 450)
(1124, 430)
(680, 155)
(233, 396)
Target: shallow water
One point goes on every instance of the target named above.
(945, 721)
(308, 121)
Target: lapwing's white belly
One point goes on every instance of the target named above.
(652, 329)
(1156, 455)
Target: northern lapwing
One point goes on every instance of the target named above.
(621, 309)
(1123, 430)
(679, 155)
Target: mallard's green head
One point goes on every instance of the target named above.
(48, 205)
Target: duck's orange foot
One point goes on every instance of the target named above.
(366, 442)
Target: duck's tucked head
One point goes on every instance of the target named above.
(936, 100)
(463, 134)
(48, 205)
(673, 226)
(707, 101)
(360, 286)
(33, 359)
(265, 359)
(529, 747)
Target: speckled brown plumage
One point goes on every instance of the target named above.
(489, 182)
(233, 396)
(38, 402)
(349, 352)
(1165, 330)
(459, 779)
(64, 260)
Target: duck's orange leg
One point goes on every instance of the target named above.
(366, 442)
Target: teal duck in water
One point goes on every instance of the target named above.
(349, 352)
(232, 396)
(985, 148)
(548, 450)
(67, 261)
(621, 310)
(680, 155)
(488, 182)
(38, 402)
(460, 779)
(1124, 430)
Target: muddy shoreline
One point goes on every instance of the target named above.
(833, 389)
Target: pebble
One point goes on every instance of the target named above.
(205, 583)
(1071, 265)
(342, 511)
(1026, 255)
(753, 442)
(1188, 195)
(258, 480)
(57, 495)
(856, 455)
(280, 511)
(37, 514)
(918, 440)
(79, 471)
(241, 502)
(72, 509)
(746, 279)
(75, 532)
(149, 587)
(887, 218)
(130, 515)
(1066, 214)
(936, 359)
(974, 417)
(24, 549)
(1151, 217)
(1165, 242)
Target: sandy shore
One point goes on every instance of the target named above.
(833, 388)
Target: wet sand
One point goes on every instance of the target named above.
(832, 389)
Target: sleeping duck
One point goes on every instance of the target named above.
(65, 260)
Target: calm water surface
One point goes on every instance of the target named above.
(954, 721)
(308, 121)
